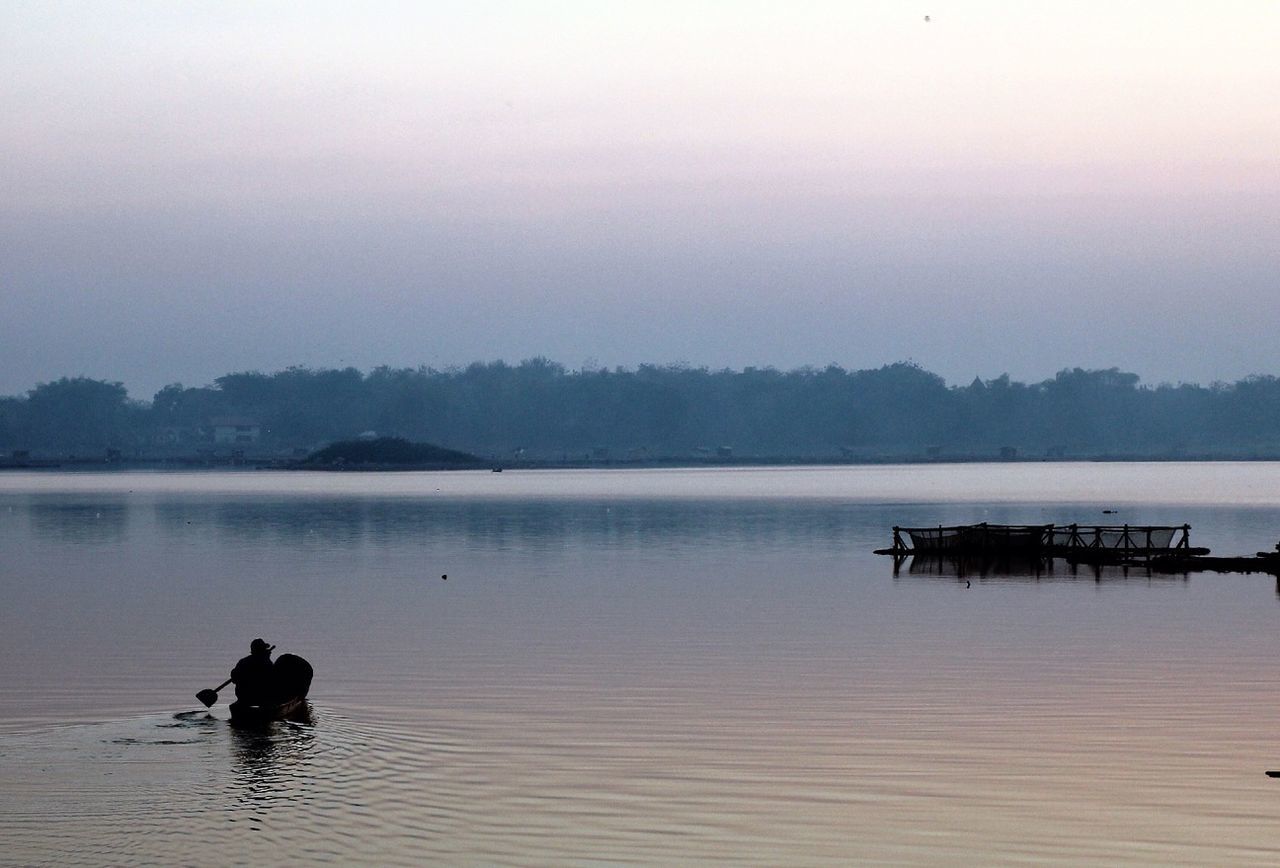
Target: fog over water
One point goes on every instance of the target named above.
(190, 190)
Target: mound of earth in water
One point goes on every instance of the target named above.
(388, 453)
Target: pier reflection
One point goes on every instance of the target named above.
(1014, 568)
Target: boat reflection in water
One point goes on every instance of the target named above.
(1018, 568)
(270, 763)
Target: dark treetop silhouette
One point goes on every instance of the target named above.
(540, 410)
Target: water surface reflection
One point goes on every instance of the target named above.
(269, 762)
(499, 524)
(1014, 568)
(95, 521)
(609, 676)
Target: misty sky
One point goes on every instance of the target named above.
(188, 189)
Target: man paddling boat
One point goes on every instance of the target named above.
(265, 690)
(253, 676)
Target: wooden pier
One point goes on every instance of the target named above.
(1071, 541)
(1158, 548)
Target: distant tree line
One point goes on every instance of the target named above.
(541, 410)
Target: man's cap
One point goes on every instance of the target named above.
(260, 645)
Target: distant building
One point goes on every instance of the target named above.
(235, 430)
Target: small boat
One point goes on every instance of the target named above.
(292, 677)
(253, 715)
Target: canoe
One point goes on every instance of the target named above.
(291, 682)
(293, 708)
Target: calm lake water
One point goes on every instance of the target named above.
(657, 667)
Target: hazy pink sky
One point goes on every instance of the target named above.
(189, 189)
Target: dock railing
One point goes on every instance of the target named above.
(1123, 537)
(1048, 539)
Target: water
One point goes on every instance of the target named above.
(658, 667)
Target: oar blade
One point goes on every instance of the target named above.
(208, 697)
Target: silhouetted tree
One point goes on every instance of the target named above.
(539, 406)
(79, 413)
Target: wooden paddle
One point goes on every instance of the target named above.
(209, 697)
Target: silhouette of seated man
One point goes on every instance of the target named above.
(254, 676)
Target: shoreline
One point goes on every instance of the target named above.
(219, 463)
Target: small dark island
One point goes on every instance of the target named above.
(389, 453)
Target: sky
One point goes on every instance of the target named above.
(190, 189)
